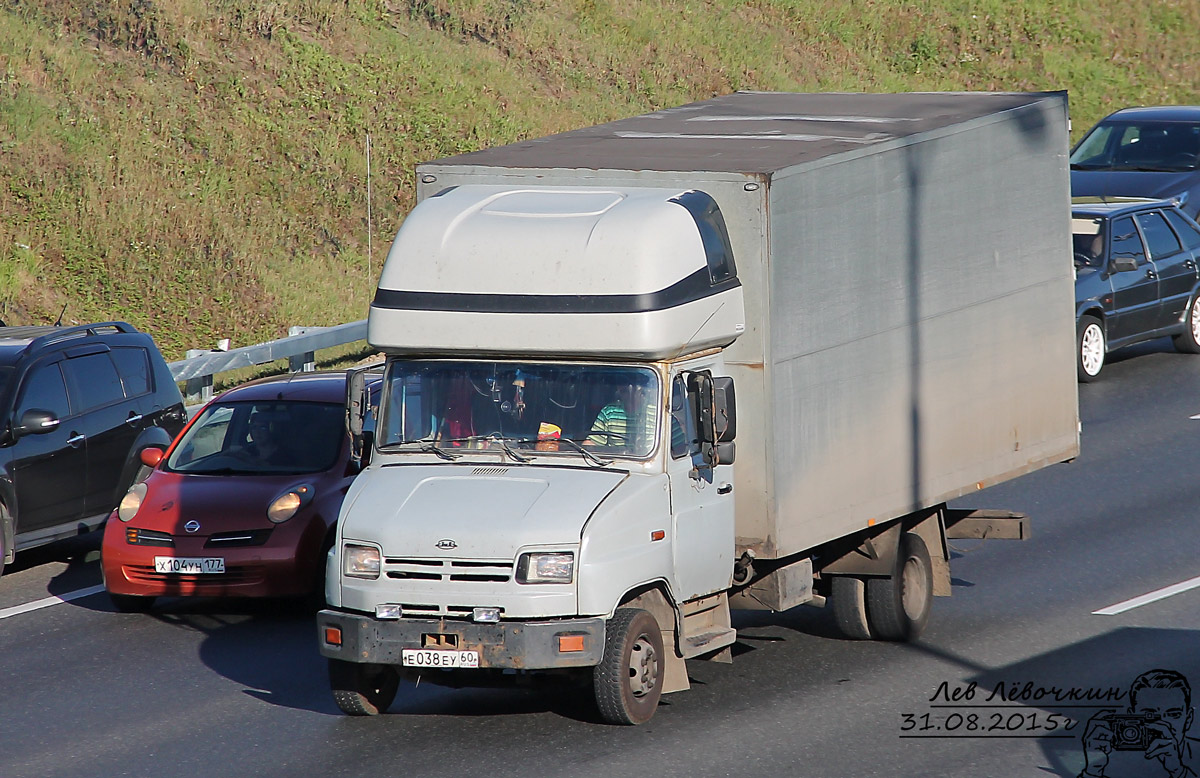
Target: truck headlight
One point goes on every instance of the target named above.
(360, 561)
(131, 502)
(555, 567)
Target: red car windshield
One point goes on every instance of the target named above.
(270, 437)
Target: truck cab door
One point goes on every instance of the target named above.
(701, 488)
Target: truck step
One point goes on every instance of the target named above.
(707, 642)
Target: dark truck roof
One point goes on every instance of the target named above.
(749, 132)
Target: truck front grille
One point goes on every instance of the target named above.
(456, 570)
(448, 611)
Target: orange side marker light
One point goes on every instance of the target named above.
(570, 643)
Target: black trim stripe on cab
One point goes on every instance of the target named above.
(694, 287)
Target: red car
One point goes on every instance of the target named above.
(243, 503)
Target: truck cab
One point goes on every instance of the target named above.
(554, 449)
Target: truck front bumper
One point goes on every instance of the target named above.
(526, 645)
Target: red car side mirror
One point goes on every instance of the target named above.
(151, 456)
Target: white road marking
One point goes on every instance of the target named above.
(1197, 416)
(1146, 599)
(48, 601)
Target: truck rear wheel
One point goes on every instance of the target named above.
(898, 606)
(850, 606)
(362, 689)
(629, 679)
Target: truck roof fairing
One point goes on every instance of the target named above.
(589, 271)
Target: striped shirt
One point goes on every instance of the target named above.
(611, 430)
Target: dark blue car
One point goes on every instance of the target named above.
(1136, 277)
(1141, 152)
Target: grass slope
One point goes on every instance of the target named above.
(198, 167)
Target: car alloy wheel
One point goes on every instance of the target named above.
(1090, 348)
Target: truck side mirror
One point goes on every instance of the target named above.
(358, 407)
(700, 395)
(724, 410)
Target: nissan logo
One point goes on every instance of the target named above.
(446, 544)
(192, 526)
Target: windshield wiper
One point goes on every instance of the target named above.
(512, 452)
(424, 444)
(589, 456)
(433, 448)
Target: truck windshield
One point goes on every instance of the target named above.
(529, 406)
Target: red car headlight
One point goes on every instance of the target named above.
(131, 502)
(286, 505)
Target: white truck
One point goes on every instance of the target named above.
(561, 479)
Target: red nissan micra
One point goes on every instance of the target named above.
(243, 503)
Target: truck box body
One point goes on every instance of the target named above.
(904, 262)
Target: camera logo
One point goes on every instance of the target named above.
(1129, 730)
(1156, 725)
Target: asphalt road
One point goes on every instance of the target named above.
(205, 688)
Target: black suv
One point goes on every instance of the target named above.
(1137, 277)
(77, 406)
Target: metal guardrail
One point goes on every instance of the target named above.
(198, 369)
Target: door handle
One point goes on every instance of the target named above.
(1189, 264)
(724, 488)
(1151, 274)
(134, 418)
(76, 440)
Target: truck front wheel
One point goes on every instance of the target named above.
(629, 679)
(898, 606)
(362, 689)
